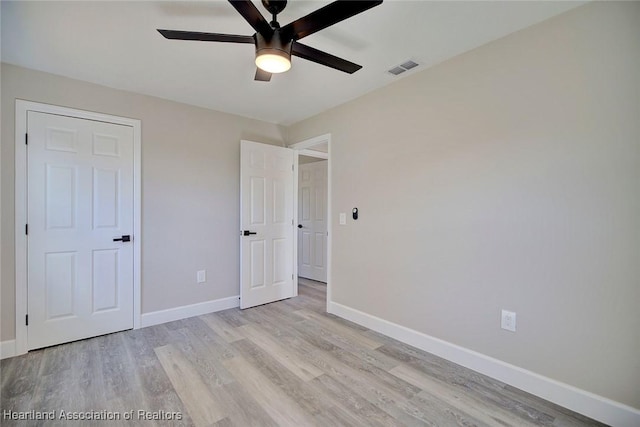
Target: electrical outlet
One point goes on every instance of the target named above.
(202, 276)
(508, 320)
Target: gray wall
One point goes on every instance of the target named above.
(190, 187)
(507, 177)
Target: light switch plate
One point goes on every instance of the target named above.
(343, 218)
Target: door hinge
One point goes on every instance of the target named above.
(26, 139)
(26, 320)
(291, 168)
(26, 229)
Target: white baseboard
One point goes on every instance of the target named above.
(171, 314)
(581, 401)
(7, 349)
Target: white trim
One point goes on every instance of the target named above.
(581, 401)
(21, 341)
(296, 173)
(7, 349)
(311, 142)
(329, 221)
(20, 199)
(313, 153)
(300, 148)
(178, 313)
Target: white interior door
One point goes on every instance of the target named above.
(266, 219)
(312, 219)
(80, 198)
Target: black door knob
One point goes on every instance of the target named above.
(299, 225)
(126, 238)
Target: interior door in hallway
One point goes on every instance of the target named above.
(80, 224)
(266, 219)
(312, 218)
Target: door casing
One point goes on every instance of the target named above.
(21, 268)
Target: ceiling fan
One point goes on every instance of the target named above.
(274, 44)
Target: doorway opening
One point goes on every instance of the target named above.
(312, 203)
(312, 218)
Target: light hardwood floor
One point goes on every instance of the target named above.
(286, 363)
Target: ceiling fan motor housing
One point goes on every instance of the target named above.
(273, 46)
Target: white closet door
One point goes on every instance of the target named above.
(80, 198)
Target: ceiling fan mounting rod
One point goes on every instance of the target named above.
(274, 7)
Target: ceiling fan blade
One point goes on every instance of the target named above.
(205, 37)
(253, 16)
(325, 17)
(323, 58)
(262, 75)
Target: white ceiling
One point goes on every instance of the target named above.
(116, 44)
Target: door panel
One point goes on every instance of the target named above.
(105, 280)
(80, 197)
(60, 284)
(60, 205)
(106, 183)
(319, 250)
(266, 209)
(312, 213)
(258, 202)
(258, 264)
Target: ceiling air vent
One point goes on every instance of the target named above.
(397, 70)
(403, 67)
(408, 65)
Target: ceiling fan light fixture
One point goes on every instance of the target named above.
(273, 56)
(273, 60)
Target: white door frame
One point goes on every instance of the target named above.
(22, 107)
(303, 148)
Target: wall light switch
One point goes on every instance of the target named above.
(202, 276)
(343, 218)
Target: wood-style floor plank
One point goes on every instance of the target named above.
(435, 390)
(282, 364)
(204, 409)
(350, 334)
(352, 402)
(222, 328)
(287, 358)
(297, 389)
(198, 354)
(280, 407)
